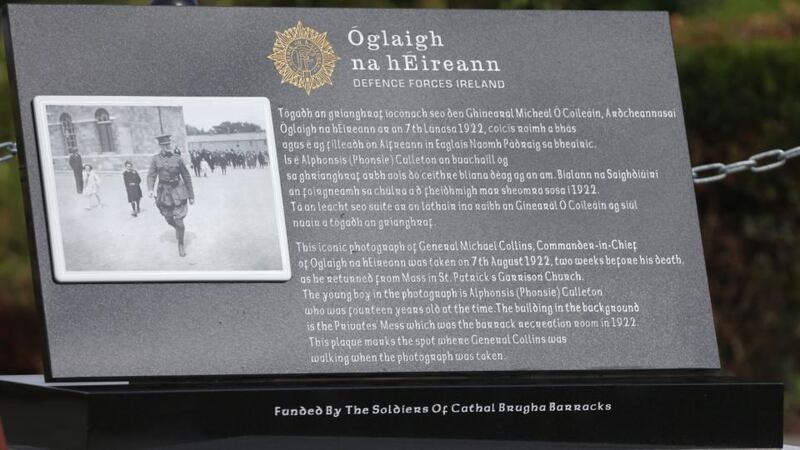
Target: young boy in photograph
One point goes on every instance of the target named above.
(133, 187)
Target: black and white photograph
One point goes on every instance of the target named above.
(162, 189)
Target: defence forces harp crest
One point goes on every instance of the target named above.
(304, 57)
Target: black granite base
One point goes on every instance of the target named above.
(638, 413)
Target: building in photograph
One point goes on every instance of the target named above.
(107, 136)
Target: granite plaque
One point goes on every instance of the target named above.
(462, 191)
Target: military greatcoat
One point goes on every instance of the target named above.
(174, 184)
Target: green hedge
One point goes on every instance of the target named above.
(742, 91)
(739, 100)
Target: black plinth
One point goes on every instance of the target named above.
(636, 413)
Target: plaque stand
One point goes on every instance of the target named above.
(638, 412)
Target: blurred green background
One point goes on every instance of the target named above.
(739, 67)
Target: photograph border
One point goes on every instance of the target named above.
(60, 272)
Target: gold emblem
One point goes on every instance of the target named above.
(304, 57)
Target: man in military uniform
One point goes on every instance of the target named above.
(174, 187)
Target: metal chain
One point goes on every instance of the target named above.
(11, 149)
(760, 162)
(707, 173)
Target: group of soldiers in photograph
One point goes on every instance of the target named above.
(204, 160)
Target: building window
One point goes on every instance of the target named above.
(104, 130)
(102, 115)
(68, 133)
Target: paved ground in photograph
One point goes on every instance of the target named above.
(230, 226)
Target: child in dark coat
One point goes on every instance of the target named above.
(132, 185)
